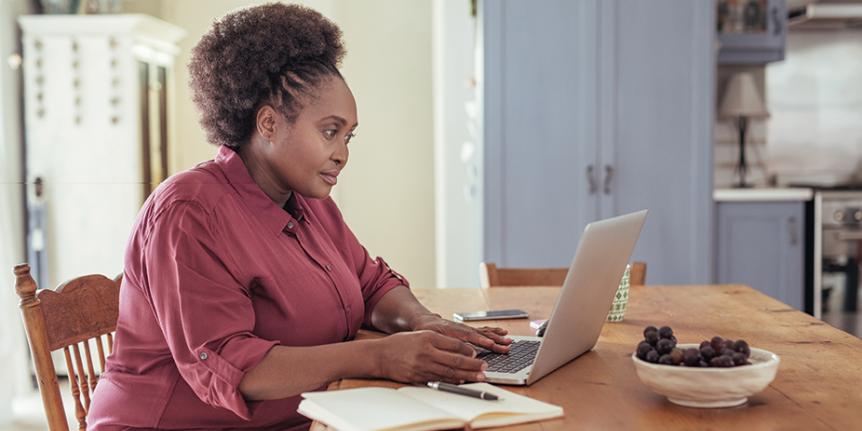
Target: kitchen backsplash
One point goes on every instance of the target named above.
(814, 96)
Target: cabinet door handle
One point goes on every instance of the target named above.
(777, 24)
(591, 179)
(609, 175)
(791, 225)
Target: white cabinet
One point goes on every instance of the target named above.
(97, 92)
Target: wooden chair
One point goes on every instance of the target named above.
(81, 310)
(491, 276)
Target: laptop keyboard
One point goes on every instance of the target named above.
(520, 356)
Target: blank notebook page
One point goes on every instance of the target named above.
(468, 408)
(374, 408)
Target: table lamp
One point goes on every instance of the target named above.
(741, 103)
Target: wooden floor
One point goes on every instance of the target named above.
(22, 426)
(29, 413)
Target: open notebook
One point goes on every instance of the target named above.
(417, 409)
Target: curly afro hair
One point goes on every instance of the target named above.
(273, 53)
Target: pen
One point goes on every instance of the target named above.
(446, 387)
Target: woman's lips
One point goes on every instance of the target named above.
(330, 178)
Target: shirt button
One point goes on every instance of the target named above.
(290, 225)
(204, 356)
(328, 267)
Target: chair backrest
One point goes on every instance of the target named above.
(79, 313)
(491, 276)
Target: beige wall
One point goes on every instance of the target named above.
(387, 192)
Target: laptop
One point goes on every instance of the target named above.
(581, 309)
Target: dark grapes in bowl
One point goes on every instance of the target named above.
(714, 373)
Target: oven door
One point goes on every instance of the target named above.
(839, 257)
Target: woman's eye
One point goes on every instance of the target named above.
(330, 133)
(349, 136)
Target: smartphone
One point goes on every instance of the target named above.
(466, 316)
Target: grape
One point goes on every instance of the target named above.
(665, 360)
(665, 332)
(649, 329)
(707, 353)
(742, 347)
(717, 343)
(691, 357)
(721, 361)
(704, 344)
(664, 346)
(676, 356)
(643, 349)
(652, 356)
(652, 337)
(738, 358)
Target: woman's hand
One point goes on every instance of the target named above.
(426, 356)
(490, 338)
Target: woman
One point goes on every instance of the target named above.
(242, 281)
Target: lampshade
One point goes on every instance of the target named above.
(741, 98)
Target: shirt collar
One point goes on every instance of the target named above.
(274, 218)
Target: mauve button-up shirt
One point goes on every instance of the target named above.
(216, 274)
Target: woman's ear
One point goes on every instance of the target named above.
(265, 122)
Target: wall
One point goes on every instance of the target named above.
(457, 157)
(387, 192)
(13, 356)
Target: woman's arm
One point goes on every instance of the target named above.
(437, 350)
(399, 310)
(406, 357)
(287, 371)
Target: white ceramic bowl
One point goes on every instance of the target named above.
(709, 387)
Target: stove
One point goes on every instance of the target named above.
(836, 252)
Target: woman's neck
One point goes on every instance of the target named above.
(260, 172)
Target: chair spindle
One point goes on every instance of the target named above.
(80, 413)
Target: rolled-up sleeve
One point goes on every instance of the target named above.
(376, 279)
(202, 307)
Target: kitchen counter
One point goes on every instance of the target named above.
(763, 194)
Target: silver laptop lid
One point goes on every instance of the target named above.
(588, 292)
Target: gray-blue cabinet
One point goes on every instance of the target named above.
(751, 31)
(593, 109)
(761, 244)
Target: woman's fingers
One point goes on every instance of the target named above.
(491, 341)
(459, 362)
(494, 329)
(451, 344)
(499, 338)
(451, 374)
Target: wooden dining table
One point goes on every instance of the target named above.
(818, 385)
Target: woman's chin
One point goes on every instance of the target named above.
(319, 193)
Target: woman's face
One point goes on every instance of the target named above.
(307, 156)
